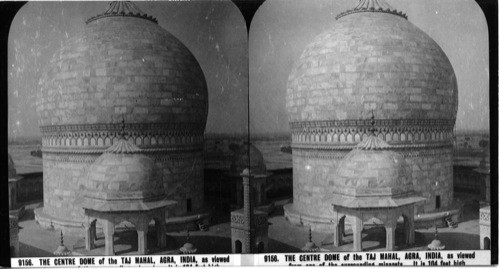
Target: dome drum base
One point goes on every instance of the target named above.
(72, 227)
(317, 223)
(321, 224)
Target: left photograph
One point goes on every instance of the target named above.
(119, 117)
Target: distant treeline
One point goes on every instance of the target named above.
(472, 132)
(259, 137)
(25, 141)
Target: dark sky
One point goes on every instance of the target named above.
(282, 28)
(214, 31)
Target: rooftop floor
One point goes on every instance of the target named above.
(38, 242)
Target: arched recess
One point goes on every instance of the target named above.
(260, 247)
(349, 138)
(237, 246)
(487, 243)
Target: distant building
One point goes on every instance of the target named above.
(248, 156)
(372, 61)
(122, 65)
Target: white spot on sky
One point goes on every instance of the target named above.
(217, 47)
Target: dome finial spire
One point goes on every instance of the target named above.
(124, 9)
(372, 6)
(372, 122)
(372, 142)
(122, 133)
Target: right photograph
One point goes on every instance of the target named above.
(369, 124)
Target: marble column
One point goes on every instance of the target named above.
(160, 231)
(390, 236)
(109, 234)
(411, 226)
(142, 237)
(93, 229)
(89, 240)
(357, 229)
(342, 228)
(336, 235)
(337, 231)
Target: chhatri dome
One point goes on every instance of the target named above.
(122, 179)
(248, 156)
(372, 59)
(122, 65)
(372, 176)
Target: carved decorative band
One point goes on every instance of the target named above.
(237, 219)
(89, 158)
(100, 150)
(392, 146)
(353, 131)
(340, 153)
(484, 217)
(398, 123)
(100, 139)
(389, 11)
(144, 127)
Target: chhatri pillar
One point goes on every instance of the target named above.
(109, 237)
(357, 229)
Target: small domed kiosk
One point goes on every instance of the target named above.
(249, 156)
(124, 185)
(373, 182)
